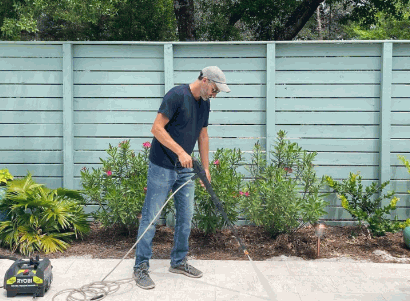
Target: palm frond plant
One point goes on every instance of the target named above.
(41, 219)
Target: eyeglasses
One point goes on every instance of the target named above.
(214, 91)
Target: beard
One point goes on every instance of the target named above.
(204, 94)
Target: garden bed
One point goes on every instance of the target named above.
(339, 243)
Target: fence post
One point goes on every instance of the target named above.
(68, 117)
(270, 97)
(385, 113)
(169, 84)
(168, 66)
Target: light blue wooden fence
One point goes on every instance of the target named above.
(62, 103)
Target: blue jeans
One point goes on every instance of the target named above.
(160, 181)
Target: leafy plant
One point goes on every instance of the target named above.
(406, 164)
(226, 182)
(362, 207)
(41, 219)
(284, 194)
(5, 176)
(118, 187)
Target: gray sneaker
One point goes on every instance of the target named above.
(142, 279)
(186, 269)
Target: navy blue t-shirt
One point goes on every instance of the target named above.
(187, 117)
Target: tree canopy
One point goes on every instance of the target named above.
(188, 20)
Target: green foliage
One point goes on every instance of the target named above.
(385, 26)
(226, 182)
(5, 176)
(118, 187)
(41, 219)
(406, 164)
(73, 20)
(360, 205)
(285, 193)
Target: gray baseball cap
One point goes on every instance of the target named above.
(216, 75)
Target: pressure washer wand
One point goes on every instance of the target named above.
(200, 173)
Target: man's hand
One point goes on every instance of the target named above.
(208, 175)
(185, 160)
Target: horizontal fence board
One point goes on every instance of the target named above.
(401, 131)
(337, 172)
(342, 49)
(9, 157)
(232, 77)
(31, 130)
(401, 63)
(32, 64)
(219, 51)
(43, 143)
(118, 51)
(226, 64)
(32, 104)
(400, 77)
(29, 51)
(327, 77)
(395, 161)
(342, 118)
(400, 186)
(399, 145)
(330, 131)
(93, 144)
(139, 130)
(399, 173)
(31, 90)
(120, 64)
(31, 117)
(327, 90)
(328, 63)
(39, 170)
(31, 77)
(401, 49)
(339, 158)
(341, 213)
(119, 90)
(339, 145)
(400, 90)
(103, 77)
(153, 104)
(103, 117)
(400, 104)
(328, 104)
(101, 104)
(401, 118)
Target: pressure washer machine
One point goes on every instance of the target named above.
(32, 276)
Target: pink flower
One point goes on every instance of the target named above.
(216, 162)
(146, 144)
(84, 168)
(288, 169)
(109, 173)
(122, 142)
(145, 189)
(241, 193)
(246, 193)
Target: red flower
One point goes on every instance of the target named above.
(146, 144)
(145, 189)
(109, 173)
(288, 169)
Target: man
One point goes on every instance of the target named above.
(182, 120)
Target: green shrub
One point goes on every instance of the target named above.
(406, 164)
(360, 205)
(226, 182)
(284, 194)
(118, 187)
(5, 176)
(41, 219)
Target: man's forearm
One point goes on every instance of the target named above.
(203, 145)
(164, 137)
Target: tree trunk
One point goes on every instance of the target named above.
(297, 20)
(319, 24)
(184, 13)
